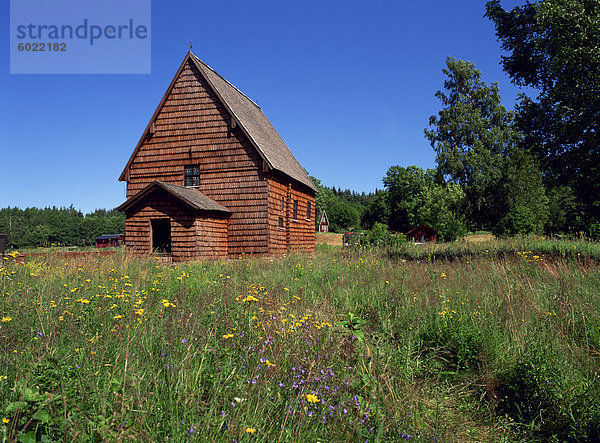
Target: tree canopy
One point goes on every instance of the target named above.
(554, 47)
(478, 147)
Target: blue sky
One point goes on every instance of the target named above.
(348, 85)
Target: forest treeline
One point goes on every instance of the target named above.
(57, 226)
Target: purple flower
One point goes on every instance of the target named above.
(183, 340)
(191, 431)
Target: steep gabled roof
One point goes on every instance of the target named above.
(191, 197)
(251, 120)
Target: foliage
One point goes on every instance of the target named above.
(343, 217)
(64, 226)
(443, 209)
(377, 210)
(406, 187)
(344, 208)
(553, 46)
(518, 221)
(477, 147)
(595, 231)
(416, 198)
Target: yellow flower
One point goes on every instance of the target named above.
(227, 336)
(312, 398)
(250, 430)
(250, 298)
(6, 319)
(5, 420)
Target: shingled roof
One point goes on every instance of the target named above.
(191, 197)
(251, 120)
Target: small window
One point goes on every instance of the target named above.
(282, 203)
(308, 211)
(280, 223)
(191, 175)
(295, 210)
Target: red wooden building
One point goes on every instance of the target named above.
(109, 240)
(422, 233)
(324, 222)
(210, 176)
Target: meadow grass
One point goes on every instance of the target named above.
(493, 342)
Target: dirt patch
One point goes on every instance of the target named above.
(329, 238)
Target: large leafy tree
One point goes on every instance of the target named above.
(554, 47)
(405, 187)
(415, 197)
(477, 147)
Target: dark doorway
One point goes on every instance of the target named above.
(161, 235)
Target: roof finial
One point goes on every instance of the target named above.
(190, 44)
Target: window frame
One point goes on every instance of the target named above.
(191, 175)
(308, 211)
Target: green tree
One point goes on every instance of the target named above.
(554, 47)
(443, 210)
(343, 216)
(406, 187)
(377, 210)
(478, 147)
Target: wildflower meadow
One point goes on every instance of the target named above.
(493, 342)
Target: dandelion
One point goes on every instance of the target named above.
(312, 398)
(6, 319)
(250, 430)
(5, 420)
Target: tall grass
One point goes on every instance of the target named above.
(340, 346)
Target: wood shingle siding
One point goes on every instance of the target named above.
(244, 166)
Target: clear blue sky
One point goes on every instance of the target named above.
(348, 85)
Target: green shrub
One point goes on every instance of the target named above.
(595, 231)
(518, 221)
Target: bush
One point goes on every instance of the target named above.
(518, 221)
(595, 231)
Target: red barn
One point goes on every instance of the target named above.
(210, 176)
(422, 233)
(109, 240)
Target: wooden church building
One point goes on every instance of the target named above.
(210, 176)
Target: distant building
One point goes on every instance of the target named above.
(110, 240)
(422, 234)
(324, 222)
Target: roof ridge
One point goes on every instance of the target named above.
(225, 80)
